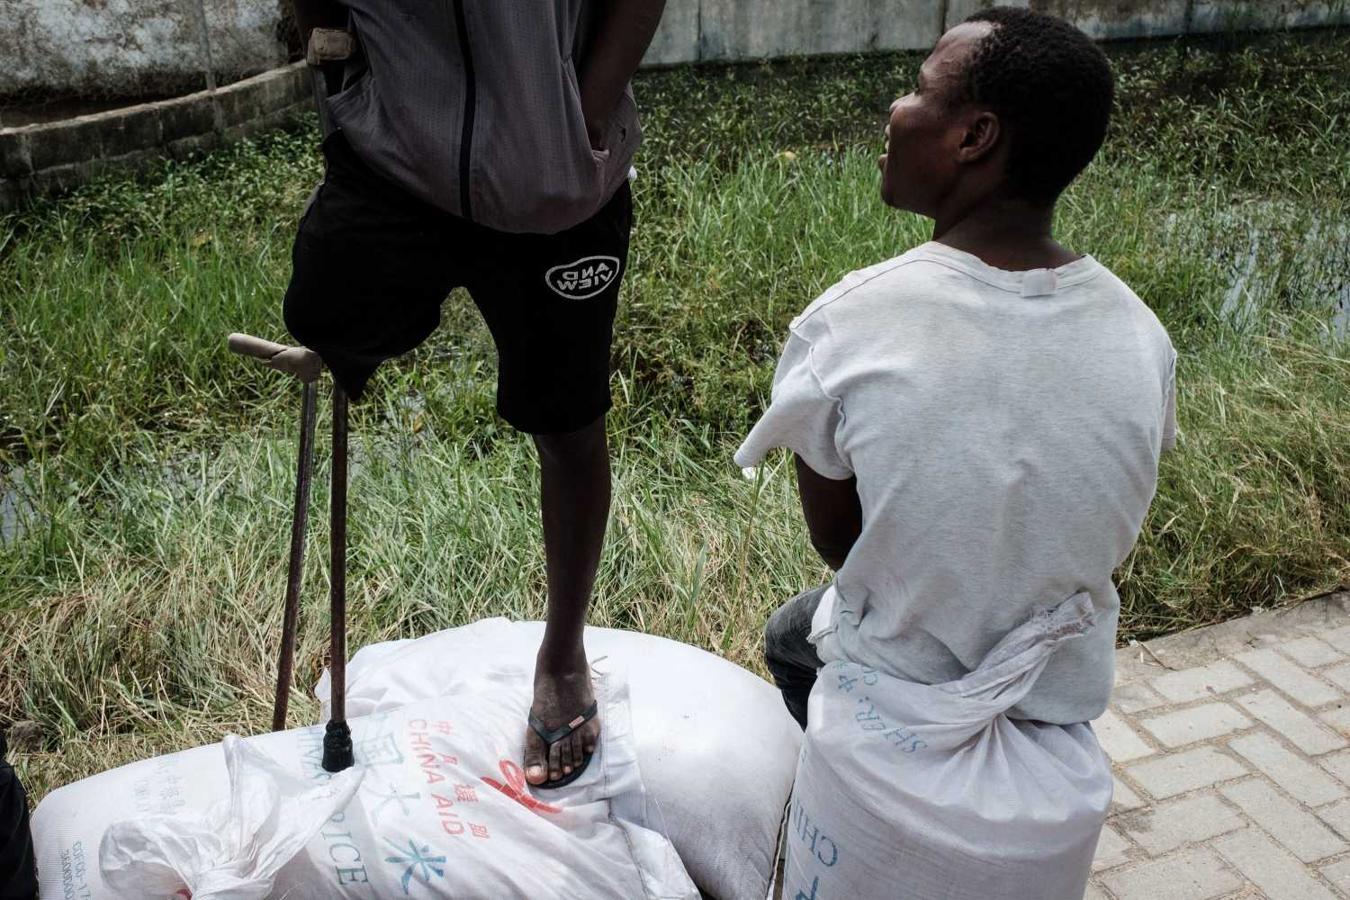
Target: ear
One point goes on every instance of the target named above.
(980, 137)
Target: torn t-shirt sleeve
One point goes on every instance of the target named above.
(802, 416)
(1169, 428)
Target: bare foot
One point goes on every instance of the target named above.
(560, 697)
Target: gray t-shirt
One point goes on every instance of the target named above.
(1005, 429)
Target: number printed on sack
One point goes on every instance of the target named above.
(869, 677)
(869, 720)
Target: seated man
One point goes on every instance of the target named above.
(977, 423)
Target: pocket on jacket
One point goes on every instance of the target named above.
(577, 113)
(535, 170)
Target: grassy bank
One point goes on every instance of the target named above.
(139, 603)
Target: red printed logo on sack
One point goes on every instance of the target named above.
(515, 788)
(584, 278)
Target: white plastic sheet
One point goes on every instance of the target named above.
(236, 849)
(914, 792)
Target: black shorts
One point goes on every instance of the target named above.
(373, 264)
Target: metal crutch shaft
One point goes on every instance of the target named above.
(337, 739)
(306, 366)
(295, 571)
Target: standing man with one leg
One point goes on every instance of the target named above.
(487, 145)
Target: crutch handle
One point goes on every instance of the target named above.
(258, 348)
(301, 362)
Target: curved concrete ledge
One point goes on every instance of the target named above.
(56, 156)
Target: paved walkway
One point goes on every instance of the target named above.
(1231, 747)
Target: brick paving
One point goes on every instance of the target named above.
(1231, 749)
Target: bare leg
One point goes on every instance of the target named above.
(574, 507)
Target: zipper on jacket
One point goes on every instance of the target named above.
(470, 104)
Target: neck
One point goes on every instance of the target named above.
(1004, 232)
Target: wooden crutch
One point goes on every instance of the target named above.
(326, 52)
(307, 367)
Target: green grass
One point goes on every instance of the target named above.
(140, 604)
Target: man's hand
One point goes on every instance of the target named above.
(623, 31)
(833, 513)
(311, 14)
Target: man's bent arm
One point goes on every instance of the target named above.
(833, 513)
(623, 31)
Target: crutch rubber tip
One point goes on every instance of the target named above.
(337, 747)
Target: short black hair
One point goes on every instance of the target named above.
(1051, 87)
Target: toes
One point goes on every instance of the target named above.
(555, 762)
(565, 755)
(579, 751)
(536, 765)
(591, 739)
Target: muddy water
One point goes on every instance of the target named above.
(15, 509)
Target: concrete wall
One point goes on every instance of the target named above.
(52, 157)
(136, 47)
(130, 47)
(728, 30)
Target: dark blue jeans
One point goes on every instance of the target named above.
(18, 877)
(792, 660)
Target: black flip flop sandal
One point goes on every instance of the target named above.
(557, 734)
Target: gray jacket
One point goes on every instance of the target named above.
(473, 106)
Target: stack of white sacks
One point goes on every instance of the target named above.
(903, 790)
(689, 785)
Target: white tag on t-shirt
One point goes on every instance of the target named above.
(1038, 282)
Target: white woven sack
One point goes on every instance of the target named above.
(716, 746)
(916, 792)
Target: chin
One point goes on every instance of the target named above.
(888, 195)
(884, 189)
(895, 196)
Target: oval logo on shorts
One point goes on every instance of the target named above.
(584, 278)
